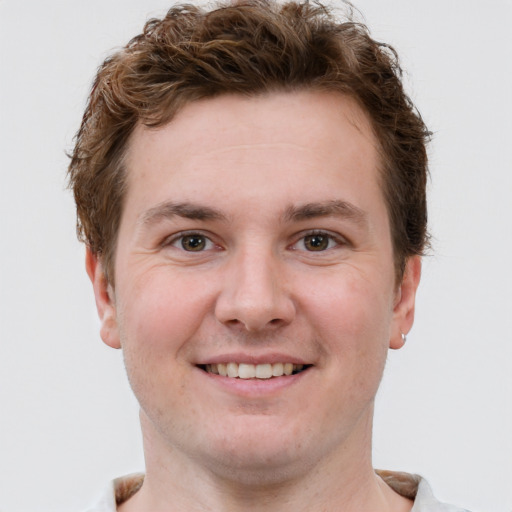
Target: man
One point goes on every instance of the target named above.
(250, 184)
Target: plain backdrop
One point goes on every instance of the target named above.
(68, 421)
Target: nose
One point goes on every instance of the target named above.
(254, 293)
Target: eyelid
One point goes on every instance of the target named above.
(340, 240)
(336, 237)
(170, 240)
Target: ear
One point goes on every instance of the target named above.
(105, 304)
(403, 311)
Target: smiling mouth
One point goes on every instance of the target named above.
(254, 371)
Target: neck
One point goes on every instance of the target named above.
(344, 481)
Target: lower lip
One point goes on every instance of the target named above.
(255, 387)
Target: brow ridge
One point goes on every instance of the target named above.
(187, 210)
(292, 213)
(337, 208)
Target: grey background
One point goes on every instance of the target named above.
(68, 421)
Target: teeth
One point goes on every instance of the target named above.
(232, 369)
(246, 371)
(251, 371)
(263, 371)
(277, 369)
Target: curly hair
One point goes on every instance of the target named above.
(246, 47)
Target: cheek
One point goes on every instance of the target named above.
(159, 320)
(353, 316)
(161, 312)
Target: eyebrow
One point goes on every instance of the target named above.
(334, 208)
(186, 210)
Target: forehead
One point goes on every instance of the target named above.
(276, 148)
(252, 115)
(320, 132)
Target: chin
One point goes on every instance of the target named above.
(258, 469)
(261, 456)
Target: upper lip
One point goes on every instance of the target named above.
(244, 358)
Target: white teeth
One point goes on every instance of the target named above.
(232, 369)
(246, 371)
(263, 371)
(277, 370)
(251, 371)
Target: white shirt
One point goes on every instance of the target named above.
(405, 484)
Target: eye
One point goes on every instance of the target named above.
(317, 242)
(192, 242)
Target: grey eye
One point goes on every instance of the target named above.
(316, 242)
(193, 243)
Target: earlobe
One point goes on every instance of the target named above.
(403, 312)
(104, 296)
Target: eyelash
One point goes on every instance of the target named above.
(331, 238)
(174, 240)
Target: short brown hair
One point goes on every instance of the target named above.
(246, 47)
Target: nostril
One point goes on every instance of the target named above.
(254, 307)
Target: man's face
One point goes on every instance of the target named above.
(255, 238)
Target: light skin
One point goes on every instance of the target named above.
(255, 231)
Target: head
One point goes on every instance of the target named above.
(247, 48)
(251, 185)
